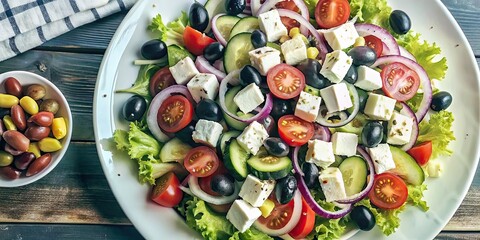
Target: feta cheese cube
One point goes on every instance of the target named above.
(294, 51)
(368, 79)
(203, 86)
(252, 137)
(341, 37)
(336, 66)
(434, 168)
(399, 129)
(336, 97)
(207, 132)
(249, 98)
(382, 158)
(242, 215)
(271, 24)
(379, 107)
(320, 153)
(308, 106)
(333, 187)
(184, 70)
(255, 191)
(344, 144)
(265, 58)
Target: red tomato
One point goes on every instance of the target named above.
(160, 80)
(332, 13)
(290, 5)
(421, 152)
(175, 113)
(294, 131)
(388, 192)
(375, 43)
(285, 81)
(280, 215)
(196, 41)
(305, 224)
(399, 81)
(205, 185)
(166, 191)
(201, 161)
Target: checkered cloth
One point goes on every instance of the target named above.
(25, 24)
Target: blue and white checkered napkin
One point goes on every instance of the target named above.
(25, 24)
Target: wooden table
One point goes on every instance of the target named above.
(74, 201)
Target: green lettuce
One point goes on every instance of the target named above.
(438, 130)
(311, 4)
(141, 85)
(375, 12)
(387, 220)
(326, 228)
(415, 196)
(172, 33)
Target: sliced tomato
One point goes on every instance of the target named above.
(285, 81)
(201, 161)
(175, 113)
(162, 79)
(196, 41)
(205, 185)
(399, 81)
(305, 224)
(294, 130)
(421, 152)
(166, 191)
(289, 5)
(375, 43)
(332, 13)
(388, 192)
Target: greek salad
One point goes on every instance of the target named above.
(258, 119)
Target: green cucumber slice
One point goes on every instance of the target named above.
(354, 172)
(174, 151)
(215, 7)
(233, 108)
(266, 167)
(176, 53)
(235, 159)
(225, 139)
(236, 53)
(355, 126)
(225, 24)
(406, 167)
(247, 24)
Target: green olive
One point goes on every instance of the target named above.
(49, 105)
(36, 91)
(5, 159)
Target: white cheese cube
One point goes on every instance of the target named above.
(320, 153)
(399, 129)
(242, 215)
(184, 70)
(249, 98)
(294, 51)
(207, 132)
(344, 144)
(271, 24)
(308, 106)
(333, 187)
(265, 58)
(255, 191)
(379, 107)
(368, 79)
(336, 66)
(434, 168)
(336, 97)
(203, 86)
(252, 137)
(382, 158)
(341, 37)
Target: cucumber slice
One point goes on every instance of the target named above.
(406, 167)
(266, 167)
(232, 107)
(354, 172)
(312, 90)
(225, 139)
(236, 53)
(235, 159)
(174, 151)
(225, 24)
(247, 24)
(215, 7)
(355, 126)
(176, 53)
(338, 161)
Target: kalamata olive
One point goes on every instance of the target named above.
(310, 171)
(311, 70)
(43, 119)
(7, 100)
(162, 79)
(222, 185)
(285, 189)
(29, 105)
(39, 164)
(198, 17)
(13, 87)
(362, 98)
(268, 123)
(249, 75)
(352, 75)
(134, 108)
(5, 159)
(441, 101)
(213, 52)
(363, 217)
(154, 49)
(400, 22)
(235, 7)
(363, 55)
(209, 110)
(37, 133)
(2, 129)
(276, 147)
(49, 105)
(309, 65)
(11, 150)
(258, 39)
(36, 91)
(18, 117)
(372, 134)
(17, 140)
(186, 133)
(281, 107)
(23, 160)
(9, 173)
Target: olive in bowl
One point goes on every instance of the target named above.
(35, 131)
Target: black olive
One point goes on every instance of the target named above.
(400, 22)
(222, 185)
(249, 75)
(352, 75)
(363, 217)
(281, 107)
(154, 49)
(234, 7)
(310, 172)
(285, 189)
(209, 110)
(372, 134)
(198, 17)
(186, 133)
(134, 108)
(259, 39)
(268, 123)
(213, 52)
(362, 98)
(276, 147)
(311, 69)
(441, 101)
(363, 55)
(309, 65)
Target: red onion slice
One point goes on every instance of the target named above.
(204, 66)
(365, 29)
(322, 120)
(407, 54)
(217, 200)
(407, 111)
(296, 165)
(216, 32)
(255, 6)
(321, 133)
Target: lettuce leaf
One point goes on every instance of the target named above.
(120, 137)
(172, 33)
(326, 228)
(387, 220)
(437, 129)
(141, 85)
(374, 12)
(415, 196)
(311, 4)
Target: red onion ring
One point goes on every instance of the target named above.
(204, 66)
(255, 6)
(321, 133)
(217, 200)
(407, 54)
(365, 29)
(216, 32)
(295, 163)
(406, 110)
(356, 107)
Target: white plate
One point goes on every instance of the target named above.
(444, 196)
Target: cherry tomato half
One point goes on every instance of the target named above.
(399, 81)
(332, 13)
(294, 130)
(162, 79)
(280, 215)
(166, 191)
(375, 43)
(289, 5)
(305, 224)
(388, 192)
(285, 81)
(175, 113)
(421, 152)
(201, 161)
(196, 41)
(205, 185)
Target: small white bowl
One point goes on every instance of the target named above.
(52, 92)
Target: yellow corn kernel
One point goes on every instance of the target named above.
(284, 39)
(359, 41)
(33, 148)
(59, 127)
(29, 105)
(312, 52)
(293, 32)
(7, 100)
(49, 144)
(267, 208)
(8, 122)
